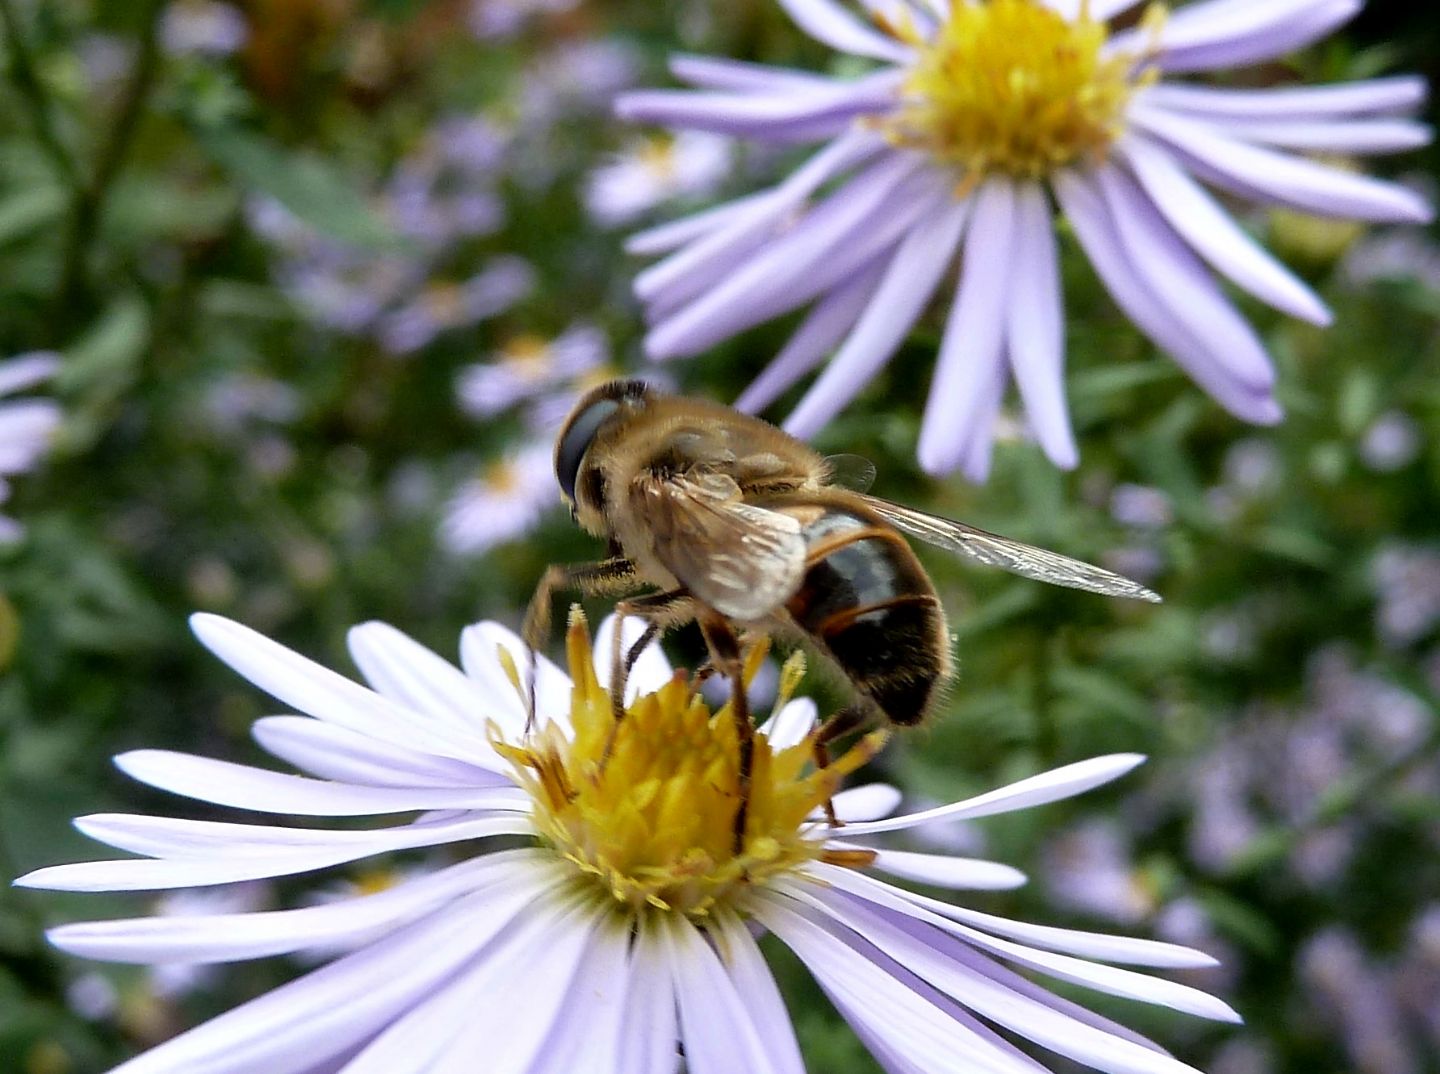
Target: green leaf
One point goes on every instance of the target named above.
(310, 187)
(28, 211)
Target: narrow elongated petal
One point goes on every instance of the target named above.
(790, 725)
(971, 350)
(1355, 137)
(947, 871)
(27, 370)
(712, 72)
(756, 990)
(328, 1011)
(1401, 93)
(333, 752)
(911, 278)
(822, 330)
(1213, 233)
(1182, 285)
(205, 938)
(243, 787)
(830, 24)
(651, 670)
(480, 645)
(1286, 180)
(1085, 209)
(868, 802)
(662, 238)
(400, 668)
(1277, 39)
(589, 1035)
(647, 1043)
(715, 1025)
(1034, 327)
(1046, 787)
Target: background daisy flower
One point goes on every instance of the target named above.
(26, 425)
(504, 500)
(952, 150)
(623, 926)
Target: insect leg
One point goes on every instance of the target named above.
(850, 718)
(658, 610)
(607, 575)
(725, 655)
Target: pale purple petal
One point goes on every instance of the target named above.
(910, 279)
(1035, 329)
(235, 860)
(714, 252)
(948, 871)
(830, 24)
(870, 801)
(589, 1036)
(332, 752)
(1213, 233)
(1181, 283)
(1051, 786)
(480, 645)
(207, 938)
(790, 725)
(331, 1009)
(979, 443)
(715, 1026)
(1085, 209)
(755, 987)
(1092, 945)
(823, 328)
(400, 668)
(1396, 94)
(712, 72)
(27, 370)
(647, 1041)
(972, 347)
(672, 234)
(1355, 137)
(244, 787)
(947, 967)
(1279, 177)
(1231, 33)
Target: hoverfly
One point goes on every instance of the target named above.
(737, 524)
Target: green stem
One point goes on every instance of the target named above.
(22, 73)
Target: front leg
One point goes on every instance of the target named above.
(613, 575)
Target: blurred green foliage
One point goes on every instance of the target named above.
(129, 174)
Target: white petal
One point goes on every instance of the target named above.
(1093, 945)
(870, 802)
(1357, 137)
(333, 752)
(946, 871)
(204, 938)
(320, 692)
(755, 986)
(400, 668)
(949, 971)
(790, 725)
(335, 1007)
(710, 72)
(715, 1026)
(647, 1041)
(588, 1036)
(1109, 979)
(243, 787)
(27, 370)
(911, 1024)
(479, 655)
(1214, 234)
(1398, 93)
(909, 281)
(971, 349)
(651, 671)
(1046, 787)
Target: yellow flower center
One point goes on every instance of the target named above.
(528, 356)
(501, 476)
(645, 807)
(1011, 86)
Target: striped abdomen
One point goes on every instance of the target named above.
(870, 606)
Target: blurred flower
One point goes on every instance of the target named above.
(1393, 254)
(1407, 586)
(527, 367)
(1141, 507)
(26, 425)
(92, 996)
(952, 150)
(490, 19)
(1391, 443)
(203, 27)
(1349, 991)
(1088, 868)
(235, 402)
(654, 169)
(441, 306)
(171, 979)
(624, 927)
(577, 76)
(503, 501)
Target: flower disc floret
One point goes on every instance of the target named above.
(1011, 86)
(646, 805)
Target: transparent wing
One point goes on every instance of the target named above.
(1013, 556)
(853, 472)
(742, 560)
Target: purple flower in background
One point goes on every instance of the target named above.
(952, 151)
(528, 368)
(505, 500)
(26, 425)
(203, 27)
(651, 170)
(626, 923)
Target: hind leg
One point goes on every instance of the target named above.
(851, 718)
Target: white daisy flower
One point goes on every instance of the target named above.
(27, 426)
(503, 501)
(527, 366)
(624, 928)
(655, 169)
(951, 153)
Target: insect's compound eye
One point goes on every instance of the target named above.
(575, 441)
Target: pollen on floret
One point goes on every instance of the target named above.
(1013, 87)
(645, 807)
